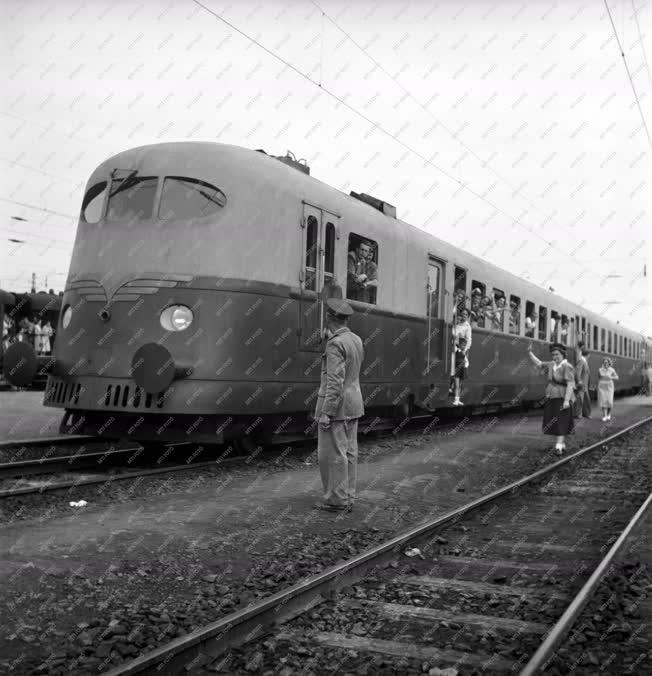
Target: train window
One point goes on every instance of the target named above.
(186, 198)
(514, 315)
(564, 330)
(595, 337)
(608, 341)
(554, 326)
(312, 244)
(131, 198)
(499, 310)
(434, 287)
(479, 302)
(543, 322)
(93, 202)
(603, 340)
(362, 269)
(460, 289)
(582, 331)
(329, 252)
(530, 318)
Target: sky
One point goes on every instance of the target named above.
(510, 129)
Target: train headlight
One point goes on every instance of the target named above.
(66, 317)
(176, 318)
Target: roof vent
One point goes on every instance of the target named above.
(290, 160)
(385, 207)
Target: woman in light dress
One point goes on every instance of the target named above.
(607, 374)
(560, 394)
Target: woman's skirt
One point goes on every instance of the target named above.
(605, 394)
(557, 421)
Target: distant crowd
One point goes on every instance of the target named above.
(33, 331)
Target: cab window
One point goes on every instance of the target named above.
(186, 198)
(93, 201)
(131, 198)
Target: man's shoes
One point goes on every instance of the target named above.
(326, 507)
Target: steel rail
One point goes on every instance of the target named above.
(563, 626)
(43, 441)
(248, 623)
(42, 465)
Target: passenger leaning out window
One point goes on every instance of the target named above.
(362, 274)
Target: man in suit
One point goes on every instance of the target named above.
(339, 405)
(582, 375)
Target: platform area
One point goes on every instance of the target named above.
(23, 416)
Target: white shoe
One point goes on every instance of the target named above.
(457, 402)
(604, 418)
(608, 417)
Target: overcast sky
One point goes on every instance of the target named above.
(507, 128)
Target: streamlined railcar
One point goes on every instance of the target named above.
(193, 309)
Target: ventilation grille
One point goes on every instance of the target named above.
(64, 392)
(131, 396)
(116, 395)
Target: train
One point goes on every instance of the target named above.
(194, 305)
(18, 307)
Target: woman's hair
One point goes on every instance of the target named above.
(558, 347)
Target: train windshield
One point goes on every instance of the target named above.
(93, 202)
(132, 198)
(184, 198)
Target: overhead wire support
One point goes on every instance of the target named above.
(629, 75)
(375, 125)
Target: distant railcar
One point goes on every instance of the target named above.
(193, 309)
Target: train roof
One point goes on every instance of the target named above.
(254, 169)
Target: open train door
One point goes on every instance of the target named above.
(319, 229)
(437, 353)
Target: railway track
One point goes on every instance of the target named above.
(56, 472)
(491, 587)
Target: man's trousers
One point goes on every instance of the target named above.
(337, 450)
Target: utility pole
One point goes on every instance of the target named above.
(33, 282)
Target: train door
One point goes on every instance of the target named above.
(317, 275)
(436, 341)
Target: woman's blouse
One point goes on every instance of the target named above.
(607, 374)
(463, 330)
(558, 379)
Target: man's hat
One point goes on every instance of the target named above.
(338, 308)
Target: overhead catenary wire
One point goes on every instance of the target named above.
(516, 190)
(640, 39)
(629, 75)
(375, 125)
(31, 206)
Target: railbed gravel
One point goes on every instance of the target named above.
(76, 623)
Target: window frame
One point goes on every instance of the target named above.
(475, 284)
(534, 311)
(497, 293)
(543, 314)
(155, 200)
(375, 256)
(519, 326)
